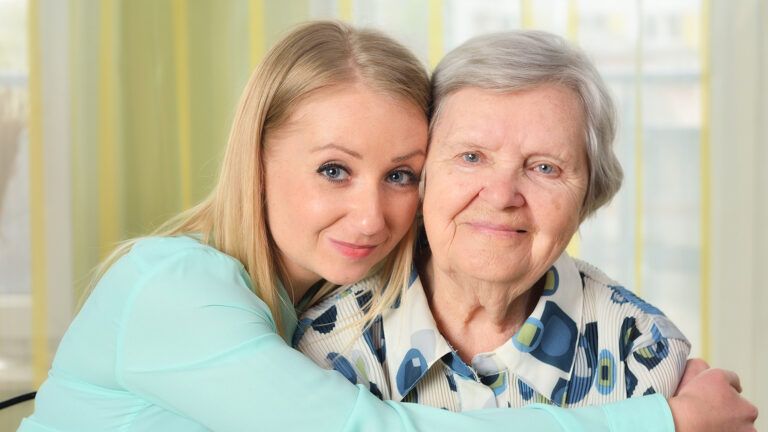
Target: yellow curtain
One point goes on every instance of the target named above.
(154, 86)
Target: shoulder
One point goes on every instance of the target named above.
(610, 304)
(183, 269)
(152, 253)
(189, 302)
(181, 263)
(156, 295)
(172, 260)
(175, 275)
(600, 288)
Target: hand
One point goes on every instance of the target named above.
(693, 367)
(708, 400)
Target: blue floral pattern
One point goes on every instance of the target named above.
(588, 341)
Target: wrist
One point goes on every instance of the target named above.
(679, 414)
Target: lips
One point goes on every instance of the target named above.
(353, 250)
(498, 229)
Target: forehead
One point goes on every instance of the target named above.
(547, 112)
(355, 117)
(351, 102)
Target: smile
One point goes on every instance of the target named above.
(352, 250)
(497, 229)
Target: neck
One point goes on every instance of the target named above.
(477, 316)
(298, 288)
(295, 279)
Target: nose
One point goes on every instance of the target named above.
(368, 213)
(502, 191)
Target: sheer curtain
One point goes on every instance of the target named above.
(130, 104)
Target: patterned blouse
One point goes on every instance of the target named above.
(588, 341)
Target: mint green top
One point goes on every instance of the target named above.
(173, 339)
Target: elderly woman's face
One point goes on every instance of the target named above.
(506, 177)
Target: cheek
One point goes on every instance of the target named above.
(556, 211)
(445, 198)
(571, 205)
(444, 205)
(316, 211)
(281, 199)
(295, 209)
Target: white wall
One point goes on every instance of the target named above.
(739, 65)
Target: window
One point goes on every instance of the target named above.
(15, 299)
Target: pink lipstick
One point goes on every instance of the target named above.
(351, 250)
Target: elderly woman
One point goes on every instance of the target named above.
(498, 315)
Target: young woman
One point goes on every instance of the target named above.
(185, 330)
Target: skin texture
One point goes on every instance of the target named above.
(506, 178)
(342, 183)
(709, 400)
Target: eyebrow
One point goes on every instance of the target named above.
(461, 144)
(338, 147)
(408, 156)
(359, 156)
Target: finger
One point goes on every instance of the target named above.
(696, 366)
(753, 413)
(693, 368)
(733, 379)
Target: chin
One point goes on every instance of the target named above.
(491, 270)
(344, 279)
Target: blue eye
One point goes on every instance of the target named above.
(545, 168)
(333, 172)
(402, 178)
(471, 157)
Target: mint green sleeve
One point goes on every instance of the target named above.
(195, 340)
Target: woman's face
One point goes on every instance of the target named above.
(342, 182)
(506, 177)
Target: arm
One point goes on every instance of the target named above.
(197, 342)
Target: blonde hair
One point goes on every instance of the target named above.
(233, 218)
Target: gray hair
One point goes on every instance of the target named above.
(517, 60)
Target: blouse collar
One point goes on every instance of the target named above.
(541, 353)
